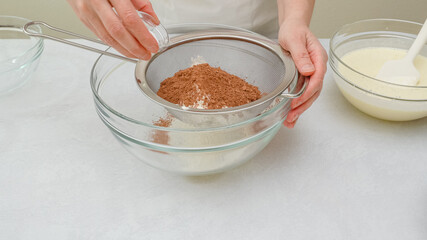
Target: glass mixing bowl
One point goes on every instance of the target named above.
(180, 148)
(19, 54)
(377, 98)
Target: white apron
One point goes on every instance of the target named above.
(256, 15)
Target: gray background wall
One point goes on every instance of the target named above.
(328, 15)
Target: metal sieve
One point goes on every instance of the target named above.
(257, 59)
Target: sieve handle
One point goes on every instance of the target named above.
(303, 82)
(41, 35)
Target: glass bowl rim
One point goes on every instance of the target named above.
(38, 44)
(29, 61)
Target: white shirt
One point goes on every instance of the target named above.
(256, 15)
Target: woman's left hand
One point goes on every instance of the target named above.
(310, 59)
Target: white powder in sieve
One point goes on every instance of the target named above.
(197, 60)
(201, 102)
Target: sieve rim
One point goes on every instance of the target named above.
(291, 74)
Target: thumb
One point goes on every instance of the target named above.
(301, 58)
(145, 6)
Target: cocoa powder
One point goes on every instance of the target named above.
(160, 136)
(164, 121)
(205, 87)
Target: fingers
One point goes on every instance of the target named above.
(145, 6)
(85, 11)
(294, 114)
(312, 92)
(315, 85)
(134, 25)
(300, 55)
(98, 28)
(302, 103)
(123, 29)
(310, 59)
(319, 57)
(117, 30)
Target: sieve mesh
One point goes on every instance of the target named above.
(256, 64)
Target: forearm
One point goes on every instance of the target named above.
(300, 10)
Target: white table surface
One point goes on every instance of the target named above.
(339, 174)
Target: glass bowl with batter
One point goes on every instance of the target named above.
(154, 136)
(358, 51)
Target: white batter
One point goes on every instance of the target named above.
(369, 61)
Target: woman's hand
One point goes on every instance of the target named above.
(117, 23)
(310, 59)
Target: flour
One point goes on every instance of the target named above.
(197, 60)
(204, 99)
(208, 161)
(201, 102)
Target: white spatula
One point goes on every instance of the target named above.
(403, 71)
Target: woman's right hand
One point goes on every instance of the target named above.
(117, 23)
